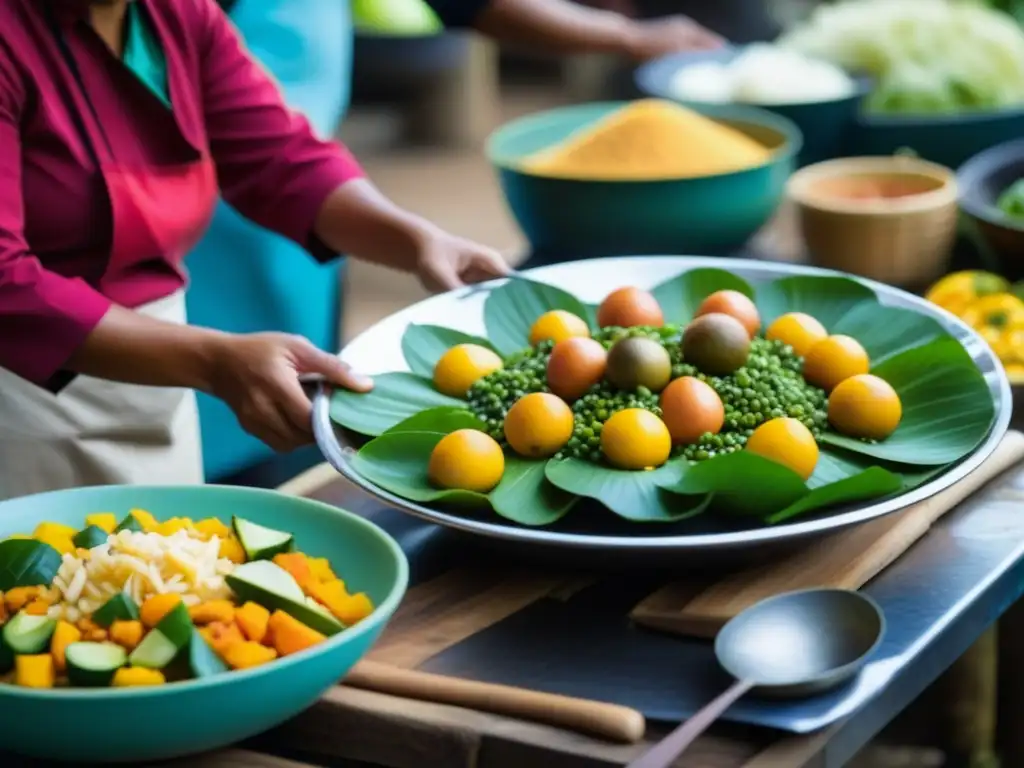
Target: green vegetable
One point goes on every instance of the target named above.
(202, 659)
(89, 537)
(165, 641)
(27, 633)
(260, 542)
(1011, 201)
(93, 664)
(926, 56)
(271, 586)
(27, 563)
(120, 607)
(6, 658)
(130, 523)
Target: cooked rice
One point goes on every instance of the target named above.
(140, 564)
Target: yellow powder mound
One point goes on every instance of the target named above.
(649, 139)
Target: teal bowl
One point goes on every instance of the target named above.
(135, 725)
(710, 215)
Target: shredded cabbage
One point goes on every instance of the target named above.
(927, 56)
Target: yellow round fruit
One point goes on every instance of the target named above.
(865, 406)
(798, 330)
(787, 442)
(462, 366)
(557, 325)
(538, 425)
(467, 460)
(835, 359)
(635, 439)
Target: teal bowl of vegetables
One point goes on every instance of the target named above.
(992, 196)
(242, 633)
(710, 215)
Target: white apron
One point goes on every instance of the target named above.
(98, 432)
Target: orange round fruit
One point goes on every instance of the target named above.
(557, 325)
(635, 439)
(575, 366)
(736, 305)
(835, 359)
(798, 330)
(538, 425)
(467, 460)
(462, 366)
(787, 442)
(865, 406)
(627, 307)
(690, 408)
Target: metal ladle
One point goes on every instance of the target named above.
(792, 645)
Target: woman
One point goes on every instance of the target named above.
(247, 279)
(120, 123)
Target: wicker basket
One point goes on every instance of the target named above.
(905, 240)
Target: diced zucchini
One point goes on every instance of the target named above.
(89, 537)
(6, 658)
(165, 641)
(94, 664)
(130, 523)
(260, 542)
(271, 586)
(202, 659)
(118, 608)
(27, 634)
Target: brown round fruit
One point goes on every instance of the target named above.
(638, 362)
(628, 307)
(716, 344)
(575, 366)
(734, 304)
(690, 408)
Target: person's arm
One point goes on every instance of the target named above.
(563, 26)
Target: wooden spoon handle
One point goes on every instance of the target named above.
(596, 718)
(664, 753)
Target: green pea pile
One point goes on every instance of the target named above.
(769, 386)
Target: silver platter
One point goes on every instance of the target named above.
(378, 350)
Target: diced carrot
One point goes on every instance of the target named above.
(129, 677)
(156, 607)
(63, 635)
(252, 618)
(211, 611)
(3, 609)
(231, 548)
(222, 636)
(321, 568)
(127, 634)
(291, 635)
(248, 654)
(105, 521)
(18, 597)
(37, 607)
(34, 671)
(297, 565)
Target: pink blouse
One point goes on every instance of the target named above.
(55, 218)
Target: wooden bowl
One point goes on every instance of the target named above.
(891, 219)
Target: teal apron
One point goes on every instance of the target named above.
(244, 278)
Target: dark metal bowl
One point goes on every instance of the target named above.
(982, 179)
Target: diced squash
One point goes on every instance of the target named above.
(297, 565)
(211, 527)
(156, 607)
(130, 677)
(231, 548)
(105, 521)
(56, 535)
(175, 524)
(127, 634)
(64, 635)
(291, 635)
(355, 609)
(3, 610)
(37, 607)
(34, 671)
(252, 618)
(222, 636)
(321, 568)
(149, 523)
(248, 654)
(211, 611)
(17, 598)
(331, 594)
(91, 631)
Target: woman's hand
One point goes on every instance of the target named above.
(446, 262)
(658, 37)
(257, 375)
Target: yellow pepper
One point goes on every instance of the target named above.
(231, 549)
(211, 527)
(146, 520)
(105, 521)
(34, 671)
(956, 291)
(127, 677)
(56, 535)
